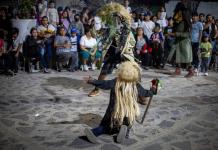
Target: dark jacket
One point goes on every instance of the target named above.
(107, 120)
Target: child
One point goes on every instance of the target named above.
(168, 39)
(123, 109)
(157, 46)
(206, 49)
(52, 14)
(74, 50)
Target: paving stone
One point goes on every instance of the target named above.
(60, 115)
(194, 128)
(40, 117)
(203, 142)
(110, 147)
(25, 130)
(163, 112)
(82, 143)
(175, 112)
(21, 117)
(106, 138)
(152, 147)
(168, 138)
(55, 143)
(206, 124)
(129, 142)
(189, 107)
(166, 124)
(185, 145)
(4, 103)
(39, 138)
(66, 101)
(7, 122)
(24, 101)
(19, 147)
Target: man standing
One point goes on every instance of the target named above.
(196, 34)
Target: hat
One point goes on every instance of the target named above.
(205, 34)
(147, 14)
(129, 71)
(73, 30)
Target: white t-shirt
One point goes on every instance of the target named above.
(148, 27)
(73, 41)
(88, 43)
(52, 15)
(42, 28)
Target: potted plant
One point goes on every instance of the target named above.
(25, 19)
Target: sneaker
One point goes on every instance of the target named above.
(46, 70)
(122, 134)
(206, 74)
(91, 137)
(85, 68)
(93, 67)
(94, 92)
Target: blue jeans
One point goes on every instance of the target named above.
(42, 58)
(204, 64)
(99, 130)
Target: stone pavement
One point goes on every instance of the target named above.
(50, 111)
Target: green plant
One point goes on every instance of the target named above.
(26, 9)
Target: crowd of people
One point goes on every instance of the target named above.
(64, 39)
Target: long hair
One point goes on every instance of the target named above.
(126, 93)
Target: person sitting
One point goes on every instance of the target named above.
(14, 50)
(62, 45)
(88, 46)
(34, 51)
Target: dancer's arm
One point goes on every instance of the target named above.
(102, 84)
(143, 92)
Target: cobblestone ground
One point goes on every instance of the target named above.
(50, 111)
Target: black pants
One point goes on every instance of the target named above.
(195, 49)
(146, 58)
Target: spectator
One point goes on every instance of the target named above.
(34, 52)
(62, 45)
(142, 49)
(202, 18)
(5, 23)
(161, 19)
(74, 40)
(210, 28)
(148, 25)
(169, 40)
(206, 49)
(157, 40)
(126, 5)
(65, 20)
(47, 32)
(2, 50)
(154, 18)
(14, 50)
(42, 8)
(215, 49)
(87, 46)
(85, 16)
(52, 14)
(196, 35)
(77, 24)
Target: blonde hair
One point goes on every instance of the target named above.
(126, 93)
